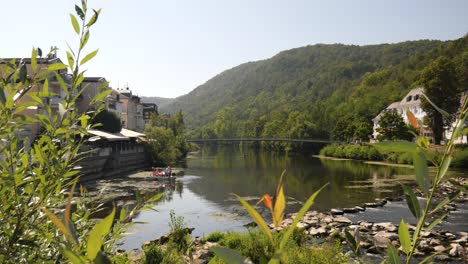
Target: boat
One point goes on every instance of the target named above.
(161, 176)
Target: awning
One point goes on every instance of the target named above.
(107, 135)
(130, 133)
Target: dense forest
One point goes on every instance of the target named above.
(320, 91)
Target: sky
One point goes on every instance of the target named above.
(168, 48)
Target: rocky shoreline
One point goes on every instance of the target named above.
(373, 236)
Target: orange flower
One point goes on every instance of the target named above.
(267, 201)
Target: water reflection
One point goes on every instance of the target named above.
(203, 197)
(252, 173)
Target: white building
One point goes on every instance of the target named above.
(412, 102)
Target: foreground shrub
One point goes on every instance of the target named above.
(259, 249)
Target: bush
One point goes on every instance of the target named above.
(255, 245)
(358, 152)
(214, 236)
(460, 158)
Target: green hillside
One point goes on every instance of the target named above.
(327, 91)
(159, 101)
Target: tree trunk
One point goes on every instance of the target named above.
(438, 128)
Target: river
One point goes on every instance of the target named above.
(203, 196)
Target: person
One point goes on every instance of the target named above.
(168, 171)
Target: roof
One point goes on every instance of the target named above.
(416, 91)
(130, 133)
(107, 135)
(393, 105)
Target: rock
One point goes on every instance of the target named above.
(365, 244)
(371, 205)
(439, 248)
(381, 242)
(317, 231)
(456, 250)
(388, 235)
(327, 219)
(366, 224)
(381, 202)
(302, 225)
(336, 211)
(441, 258)
(350, 210)
(373, 250)
(359, 208)
(387, 226)
(136, 256)
(434, 242)
(343, 220)
(202, 255)
(450, 235)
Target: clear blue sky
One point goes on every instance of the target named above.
(168, 48)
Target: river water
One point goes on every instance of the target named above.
(203, 196)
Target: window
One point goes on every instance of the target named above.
(408, 98)
(416, 97)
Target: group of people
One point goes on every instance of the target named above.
(158, 172)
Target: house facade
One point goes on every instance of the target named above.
(412, 102)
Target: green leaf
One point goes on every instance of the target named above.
(445, 114)
(56, 67)
(34, 59)
(396, 146)
(155, 198)
(403, 234)
(422, 172)
(351, 241)
(79, 12)
(74, 22)
(412, 201)
(96, 236)
(94, 18)
(88, 57)
(256, 217)
(73, 258)
(435, 222)
(229, 255)
(392, 255)
(2, 96)
(71, 62)
(299, 216)
(23, 76)
(444, 167)
(446, 200)
(85, 39)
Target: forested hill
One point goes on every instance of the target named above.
(159, 101)
(314, 91)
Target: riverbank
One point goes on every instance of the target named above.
(326, 227)
(367, 152)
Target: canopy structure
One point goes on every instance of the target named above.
(107, 135)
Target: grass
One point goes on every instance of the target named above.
(255, 245)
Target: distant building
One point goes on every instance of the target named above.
(132, 110)
(412, 102)
(54, 101)
(148, 109)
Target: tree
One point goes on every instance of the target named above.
(393, 127)
(109, 121)
(441, 86)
